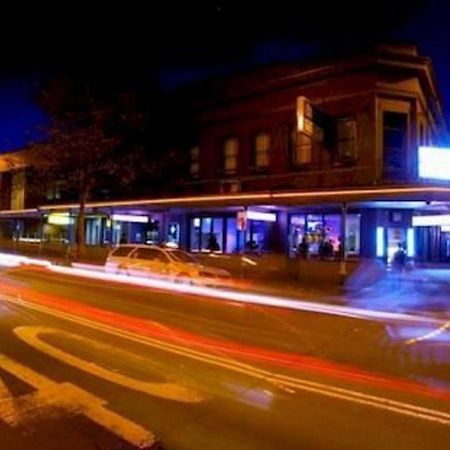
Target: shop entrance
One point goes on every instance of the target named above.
(396, 238)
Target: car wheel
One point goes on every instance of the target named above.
(122, 270)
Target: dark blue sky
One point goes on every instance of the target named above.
(200, 41)
(20, 119)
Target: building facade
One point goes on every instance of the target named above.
(319, 161)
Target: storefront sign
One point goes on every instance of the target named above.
(436, 220)
(241, 220)
(262, 216)
(434, 163)
(380, 242)
(304, 116)
(129, 218)
(60, 219)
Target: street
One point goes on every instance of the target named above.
(91, 364)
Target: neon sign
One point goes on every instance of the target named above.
(434, 163)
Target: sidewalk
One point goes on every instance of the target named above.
(424, 291)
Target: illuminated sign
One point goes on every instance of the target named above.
(262, 216)
(304, 116)
(241, 220)
(380, 242)
(434, 163)
(410, 242)
(436, 220)
(129, 218)
(60, 219)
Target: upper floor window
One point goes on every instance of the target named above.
(54, 191)
(194, 167)
(346, 138)
(18, 189)
(230, 155)
(300, 148)
(395, 141)
(261, 150)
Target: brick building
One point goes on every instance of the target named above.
(284, 156)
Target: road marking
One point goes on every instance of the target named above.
(429, 335)
(170, 391)
(71, 399)
(386, 404)
(9, 412)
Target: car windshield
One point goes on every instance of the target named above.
(181, 256)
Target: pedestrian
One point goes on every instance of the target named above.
(399, 258)
(303, 248)
(213, 245)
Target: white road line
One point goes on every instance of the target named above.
(170, 391)
(76, 400)
(430, 335)
(382, 403)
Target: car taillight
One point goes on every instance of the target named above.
(206, 274)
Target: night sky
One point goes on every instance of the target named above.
(179, 43)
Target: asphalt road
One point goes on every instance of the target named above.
(86, 364)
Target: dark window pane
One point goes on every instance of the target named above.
(395, 135)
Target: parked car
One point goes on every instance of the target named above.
(164, 263)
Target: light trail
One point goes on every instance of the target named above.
(283, 381)
(85, 271)
(242, 297)
(170, 336)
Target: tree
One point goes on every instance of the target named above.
(84, 150)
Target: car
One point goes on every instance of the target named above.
(165, 263)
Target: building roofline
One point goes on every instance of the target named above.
(276, 75)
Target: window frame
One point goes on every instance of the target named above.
(194, 161)
(255, 151)
(225, 157)
(391, 170)
(296, 151)
(340, 156)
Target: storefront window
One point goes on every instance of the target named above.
(296, 233)
(118, 237)
(173, 234)
(314, 232)
(255, 236)
(207, 234)
(152, 233)
(232, 241)
(216, 238)
(93, 231)
(332, 231)
(195, 234)
(319, 235)
(353, 234)
(221, 234)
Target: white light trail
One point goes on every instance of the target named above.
(87, 271)
(242, 297)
